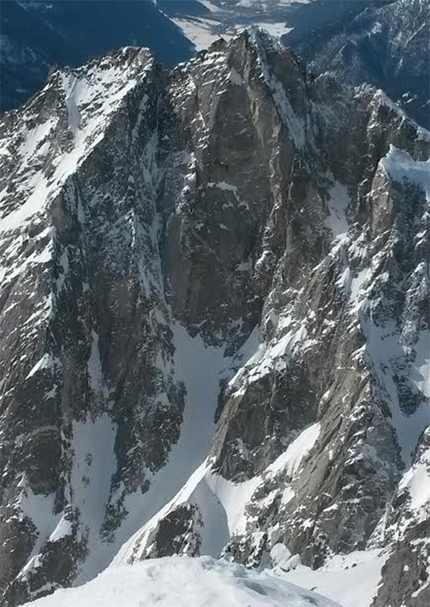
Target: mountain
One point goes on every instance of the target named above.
(36, 35)
(383, 43)
(214, 325)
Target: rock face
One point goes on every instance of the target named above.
(214, 320)
(385, 43)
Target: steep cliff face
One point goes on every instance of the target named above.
(214, 320)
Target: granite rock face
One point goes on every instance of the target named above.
(214, 320)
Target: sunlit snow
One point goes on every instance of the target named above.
(184, 582)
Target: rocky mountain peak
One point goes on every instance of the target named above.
(214, 320)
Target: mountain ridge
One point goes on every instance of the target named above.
(384, 44)
(37, 36)
(175, 257)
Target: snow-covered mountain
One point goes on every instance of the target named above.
(36, 35)
(382, 42)
(214, 325)
(385, 43)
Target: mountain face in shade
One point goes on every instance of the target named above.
(214, 322)
(386, 44)
(37, 35)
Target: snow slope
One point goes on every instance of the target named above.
(184, 582)
(200, 367)
(351, 579)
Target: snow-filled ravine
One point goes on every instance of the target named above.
(184, 582)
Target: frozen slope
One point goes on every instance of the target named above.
(184, 582)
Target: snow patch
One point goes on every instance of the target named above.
(63, 529)
(94, 463)
(350, 579)
(233, 497)
(46, 362)
(94, 366)
(39, 509)
(401, 167)
(223, 185)
(417, 483)
(337, 205)
(291, 460)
